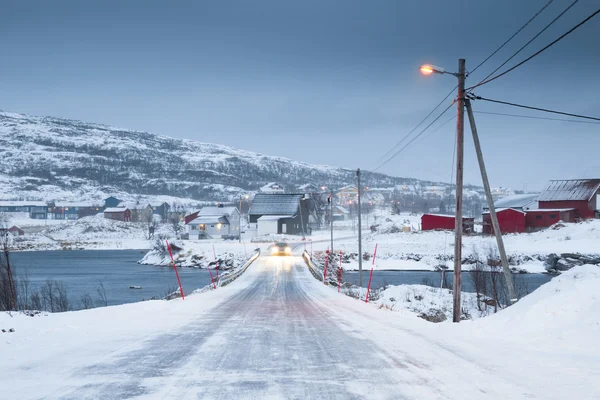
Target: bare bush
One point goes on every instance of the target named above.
(102, 300)
(86, 302)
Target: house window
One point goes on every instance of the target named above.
(536, 217)
(552, 216)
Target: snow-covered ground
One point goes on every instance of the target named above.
(279, 333)
(426, 250)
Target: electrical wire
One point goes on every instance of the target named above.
(413, 139)
(417, 126)
(536, 108)
(486, 80)
(405, 137)
(511, 38)
(542, 118)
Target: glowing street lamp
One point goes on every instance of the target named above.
(428, 69)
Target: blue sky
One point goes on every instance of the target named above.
(330, 82)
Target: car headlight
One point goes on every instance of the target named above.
(288, 249)
(274, 250)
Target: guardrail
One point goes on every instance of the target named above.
(227, 279)
(314, 269)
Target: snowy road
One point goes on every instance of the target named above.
(283, 335)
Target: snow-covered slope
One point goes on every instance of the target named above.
(53, 158)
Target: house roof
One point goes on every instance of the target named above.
(505, 209)
(516, 201)
(23, 204)
(445, 216)
(212, 219)
(571, 189)
(344, 210)
(115, 209)
(275, 204)
(74, 204)
(549, 210)
(217, 211)
(273, 217)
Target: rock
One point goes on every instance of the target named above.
(433, 315)
(551, 261)
(590, 260)
(571, 255)
(563, 265)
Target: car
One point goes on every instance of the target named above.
(281, 249)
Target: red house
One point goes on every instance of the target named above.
(118, 214)
(579, 194)
(510, 221)
(543, 218)
(431, 222)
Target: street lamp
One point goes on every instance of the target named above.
(428, 69)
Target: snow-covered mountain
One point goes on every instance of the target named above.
(53, 158)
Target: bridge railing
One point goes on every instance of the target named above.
(228, 278)
(314, 269)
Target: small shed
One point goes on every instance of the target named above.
(118, 214)
(272, 224)
(543, 218)
(290, 210)
(431, 222)
(509, 219)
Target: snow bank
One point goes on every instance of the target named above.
(565, 309)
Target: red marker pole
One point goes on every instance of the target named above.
(175, 268)
(340, 272)
(325, 269)
(371, 274)
(212, 279)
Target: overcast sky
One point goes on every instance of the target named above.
(321, 81)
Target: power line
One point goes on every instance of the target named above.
(417, 126)
(511, 38)
(405, 137)
(414, 138)
(536, 53)
(536, 108)
(542, 118)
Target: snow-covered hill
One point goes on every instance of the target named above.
(52, 158)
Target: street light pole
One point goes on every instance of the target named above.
(359, 232)
(458, 225)
(331, 217)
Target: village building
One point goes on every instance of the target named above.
(582, 195)
(213, 222)
(161, 209)
(509, 221)
(308, 188)
(111, 202)
(522, 202)
(140, 212)
(279, 213)
(273, 188)
(118, 214)
(74, 210)
(13, 230)
(35, 209)
(431, 222)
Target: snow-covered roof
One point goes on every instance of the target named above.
(133, 206)
(272, 187)
(504, 209)
(445, 215)
(516, 201)
(212, 219)
(273, 217)
(571, 189)
(344, 210)
(275, 204)
(550, 210)
(23, 204)
(217, 211)
(115, 209)
(74, 204)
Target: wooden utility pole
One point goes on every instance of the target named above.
(460, 132)
(359, 232)
(488, 194)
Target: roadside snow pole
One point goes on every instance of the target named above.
(175, 268)
(371, 274)
(310, 248)
(325, 269)
(340, 272)
(212, 279)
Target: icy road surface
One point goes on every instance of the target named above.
(286, 336)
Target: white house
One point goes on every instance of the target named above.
(215, 222)
(272, 187)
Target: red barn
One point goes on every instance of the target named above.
(510, 221)
(579, 194)
(543, 218)
(438, 221)
(119, 214)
